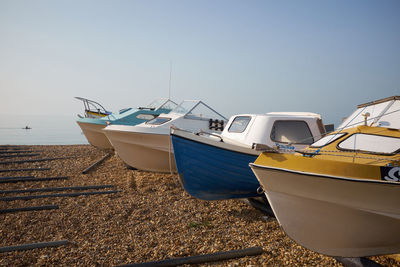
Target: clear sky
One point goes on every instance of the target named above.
(237, 56)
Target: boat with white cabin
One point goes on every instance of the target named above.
(215, 167)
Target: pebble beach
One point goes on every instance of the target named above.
(147, 217)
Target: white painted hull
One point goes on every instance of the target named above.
(334, 216)
(95, 135)
(144, 151)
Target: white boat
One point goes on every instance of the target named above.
(96, 118)
(340, 196)
(147, 146)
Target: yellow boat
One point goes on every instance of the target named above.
(341, 196)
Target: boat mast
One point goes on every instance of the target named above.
(170, 74)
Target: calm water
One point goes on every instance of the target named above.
(46, 130)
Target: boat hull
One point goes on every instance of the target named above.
(95, 135)
(143, 151)
(334, 216)
(212, 172)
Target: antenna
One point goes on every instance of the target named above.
(170, 74)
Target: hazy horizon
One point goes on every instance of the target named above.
(236, 56)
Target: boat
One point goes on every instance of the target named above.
(97, 118)
(215, 167)
(340, 196)
(147, 146)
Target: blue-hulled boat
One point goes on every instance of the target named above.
(215, 167)
(96, 118)
(204, 168)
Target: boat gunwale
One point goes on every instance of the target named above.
(92, 123)
(127, 131)
(221, 146)
(324, 176)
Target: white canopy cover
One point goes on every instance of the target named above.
(382, 113)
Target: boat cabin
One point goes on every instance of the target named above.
(131, 116)
(275, 129)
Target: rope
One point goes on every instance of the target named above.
(331, 151)
(313, 153)
(355, 156)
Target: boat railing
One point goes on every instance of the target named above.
(351, 154)
(210, 135)
(93, 108)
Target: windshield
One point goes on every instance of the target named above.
(195, 109)
(239, 124)
(327, 139)
(162, 103)
(168, 104)
(185, 106)
(371, 143)
(156, 103)
(296, 132)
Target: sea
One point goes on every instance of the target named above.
(44, 130)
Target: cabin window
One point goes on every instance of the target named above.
(370, 143)
(145, 116)
(327, 140)
(239, 124)
(158, 121)
(295, 132)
